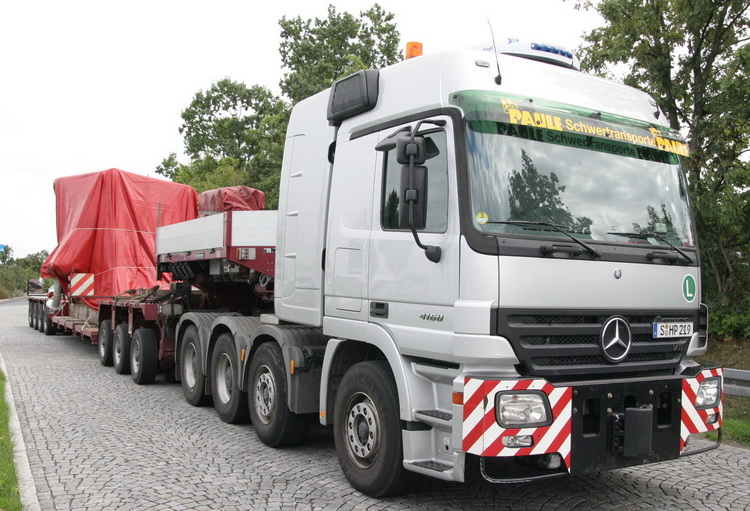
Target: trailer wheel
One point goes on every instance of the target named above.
(40, 316)
(49, 327)
(32, 313)
(191, 369)
(230, 402)
(105, 342)
(121, 349)
(367, 431)
(275, 424)
(144, 356)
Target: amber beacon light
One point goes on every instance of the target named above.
(413, 49)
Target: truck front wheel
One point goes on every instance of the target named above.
(275, 424)
(144, 356)
(230, 402)
(191, 369)
(121, 349)
(367, 431)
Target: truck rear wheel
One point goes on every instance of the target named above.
(230, 402)
(121, 349)
(105, 342)
(367, 431)
(144, 356)
(191, 369)
(32, 313)
(275, 424)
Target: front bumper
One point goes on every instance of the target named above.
(595, 426)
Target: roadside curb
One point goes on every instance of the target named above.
(26, 487)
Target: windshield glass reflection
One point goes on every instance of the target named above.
(610, 193)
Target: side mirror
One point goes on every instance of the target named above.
(414, 195)
(405, 148)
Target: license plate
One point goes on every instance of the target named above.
(664, 330)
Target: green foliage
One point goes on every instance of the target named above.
(10, 499)
(14, 273)
(318, 52)
(234, 134)
(223, 121)
(693, 58)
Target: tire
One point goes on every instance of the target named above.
(191, 369)
(274, 423)
(367, 431)
(40, 316)
(144, 356)
(230, 401)
(105, 342)
(32, 313)
(49, 327)
(121, 349)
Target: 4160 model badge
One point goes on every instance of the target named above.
(432, 317)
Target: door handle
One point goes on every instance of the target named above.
(378, 310)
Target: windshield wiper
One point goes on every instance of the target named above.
(654, 255)
(588, 248)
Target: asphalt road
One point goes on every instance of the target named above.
(96, 441)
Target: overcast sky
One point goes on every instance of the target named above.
(87, 85)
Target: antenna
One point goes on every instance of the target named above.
(498, 78)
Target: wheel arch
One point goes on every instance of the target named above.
(343, 353)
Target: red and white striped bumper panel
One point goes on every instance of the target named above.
(694, 420)
(482, 435)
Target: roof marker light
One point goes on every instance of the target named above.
(413, 49)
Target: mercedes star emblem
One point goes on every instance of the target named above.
(616, 339)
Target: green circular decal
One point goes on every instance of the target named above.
(689, 288)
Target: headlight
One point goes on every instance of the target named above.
(522, 409)
(709, 393)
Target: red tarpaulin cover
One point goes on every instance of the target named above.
(106, 226)
(231, 198)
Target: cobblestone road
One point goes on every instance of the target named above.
(97, 441)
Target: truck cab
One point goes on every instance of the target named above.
(511, 242)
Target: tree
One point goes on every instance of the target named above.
(15, 272)
(693, 58)
(318, 52)
(235, 134)
(6, 255)
(225, 129)
(537, 197)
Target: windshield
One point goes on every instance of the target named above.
(597, 179)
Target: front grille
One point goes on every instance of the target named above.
(567, 344)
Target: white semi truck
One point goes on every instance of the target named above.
(479, 257)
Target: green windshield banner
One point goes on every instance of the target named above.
(514, 110)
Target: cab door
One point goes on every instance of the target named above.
(408, 294)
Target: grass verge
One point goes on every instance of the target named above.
(734, 354)
(10, 499)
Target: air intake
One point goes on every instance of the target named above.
(353, 95)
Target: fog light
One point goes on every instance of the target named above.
(712, 418)
(551, 461)
(522, 409)
(518, 441)
(709, 393)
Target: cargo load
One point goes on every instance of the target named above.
(106, 228)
